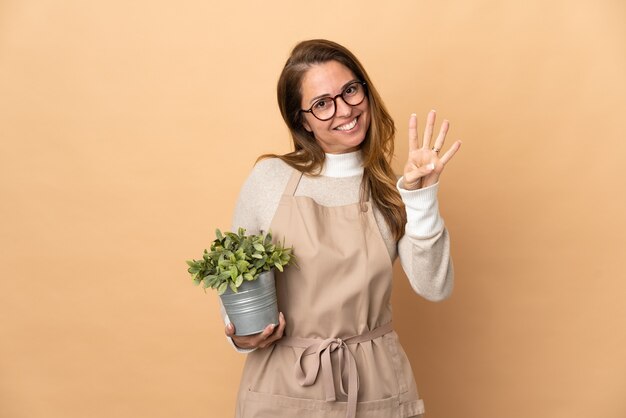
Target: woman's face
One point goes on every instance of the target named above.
(345, 131)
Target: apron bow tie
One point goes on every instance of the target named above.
(322, 363)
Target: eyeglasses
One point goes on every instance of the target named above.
(325, 108)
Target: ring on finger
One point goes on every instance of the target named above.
(436, 150)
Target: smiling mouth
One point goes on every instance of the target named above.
(348, 126)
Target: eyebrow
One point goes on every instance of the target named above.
(328, 95)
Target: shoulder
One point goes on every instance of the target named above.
(268, 176)
(260, 195)
(269, 172)
(271, 167)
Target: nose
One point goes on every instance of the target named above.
(343, 108)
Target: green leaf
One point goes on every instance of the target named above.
(259, 247)
(222, 288)
(242, 265)
(259, 256)
(239, 280)
(233, 287)
(279, 266)
(192, 263)
(248, 276)
(218, 234)
(233, 272)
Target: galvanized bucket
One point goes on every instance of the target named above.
(254, 306)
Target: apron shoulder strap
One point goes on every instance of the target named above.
(293, 182)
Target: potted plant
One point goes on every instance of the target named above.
(241, 268)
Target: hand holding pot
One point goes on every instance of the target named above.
(263, 339)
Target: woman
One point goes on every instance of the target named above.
(336, 200)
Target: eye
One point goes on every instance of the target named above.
(351, 90)
(321, 104)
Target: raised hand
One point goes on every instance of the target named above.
(263, 339)
(424, 166)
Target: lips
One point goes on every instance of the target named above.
(348, 126)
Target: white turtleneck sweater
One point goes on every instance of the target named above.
(424, 250)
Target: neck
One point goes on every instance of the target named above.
(343, 165)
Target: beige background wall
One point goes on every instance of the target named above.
(127, 128)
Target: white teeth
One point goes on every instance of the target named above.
(347, 126)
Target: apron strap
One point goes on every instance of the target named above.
(365, 204)
(292, 185)
(322, 349)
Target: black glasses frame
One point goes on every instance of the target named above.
(334, 99)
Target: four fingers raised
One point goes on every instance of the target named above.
(428, 132)
(424, 161)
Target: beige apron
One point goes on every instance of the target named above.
(340, 356)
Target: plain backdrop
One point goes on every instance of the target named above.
(128, 127)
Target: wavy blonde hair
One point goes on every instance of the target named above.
(379, 181)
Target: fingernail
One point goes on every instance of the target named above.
(230, 327)
(413, 114)
(433, 110)
(430, 166)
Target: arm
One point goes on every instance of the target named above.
(256, 205)
(424, 250)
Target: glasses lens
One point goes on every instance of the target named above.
(324, 108)
(354, 94)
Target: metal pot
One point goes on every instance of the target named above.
(254, 306)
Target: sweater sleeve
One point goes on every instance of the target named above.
(424, 250)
